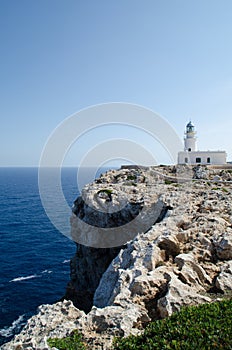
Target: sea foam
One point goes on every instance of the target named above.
(23, 278)
(14, 328)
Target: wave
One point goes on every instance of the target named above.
(66, 261)
(14, 328)
(47, 271)
(23, 278)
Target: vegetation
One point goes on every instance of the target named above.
(168, 182)
(225, 190)
(205, 327)
(73, 342)
(131, 177)
(216, 188)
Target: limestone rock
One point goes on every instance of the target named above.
(224, 279)
(87, 268)
(169, 243)
(224, 246)
(178, 295)
(190, 270)
(217, 178)
(56, 320)
(200, 172)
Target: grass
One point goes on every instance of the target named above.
(73, 342)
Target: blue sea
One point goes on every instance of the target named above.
(34, 256)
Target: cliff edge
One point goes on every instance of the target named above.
(176, 250)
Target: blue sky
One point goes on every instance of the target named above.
(59, 56)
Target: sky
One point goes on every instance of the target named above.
(58, 57)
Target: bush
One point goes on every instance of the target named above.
(73, 342)
(203, 327)
(131, 177)
(168, 182)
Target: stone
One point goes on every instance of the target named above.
(179, 294)
(223, 246)
(217, 178)
(200, 172)
(170, 244)
(61, 318)
(191, 271)
(87, 268)
(224, 279)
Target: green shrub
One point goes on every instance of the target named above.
(168, 182)
(131, 177)
(225, 190)
(203, 327)
(73, 342)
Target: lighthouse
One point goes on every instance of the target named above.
(192, 156)
(190, 138)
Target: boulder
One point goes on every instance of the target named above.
(224, 279)
(190, 271)
(223, 246)
(179, 294)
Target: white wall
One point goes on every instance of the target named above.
(216, 157)
(190, 142)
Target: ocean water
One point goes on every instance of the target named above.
(34, 255)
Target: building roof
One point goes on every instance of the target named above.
(190, 125)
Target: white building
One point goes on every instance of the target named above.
(190, 155)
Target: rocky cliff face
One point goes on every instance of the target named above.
(87, 268)
(179, 253)
(108, 214)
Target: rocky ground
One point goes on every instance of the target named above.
(179, 253)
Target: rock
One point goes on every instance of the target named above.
(224, 279)
(217, 178)
(117, 320)
(178, 295)
(223, 246)
(200, 172)
(191, 272)
(170, 244)
(56, 320)
(87, 268)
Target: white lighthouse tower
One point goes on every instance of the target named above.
(190, 138)
(192, 156)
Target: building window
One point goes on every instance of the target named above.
(198, 160)
(190, 149)
(186, 160)
(208, 160)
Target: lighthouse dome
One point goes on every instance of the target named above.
(190, 127)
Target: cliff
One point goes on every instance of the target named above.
(175, 249)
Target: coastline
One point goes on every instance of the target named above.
(184, 258)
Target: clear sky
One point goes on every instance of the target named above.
(59, 56)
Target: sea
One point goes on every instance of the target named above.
(34, 255)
